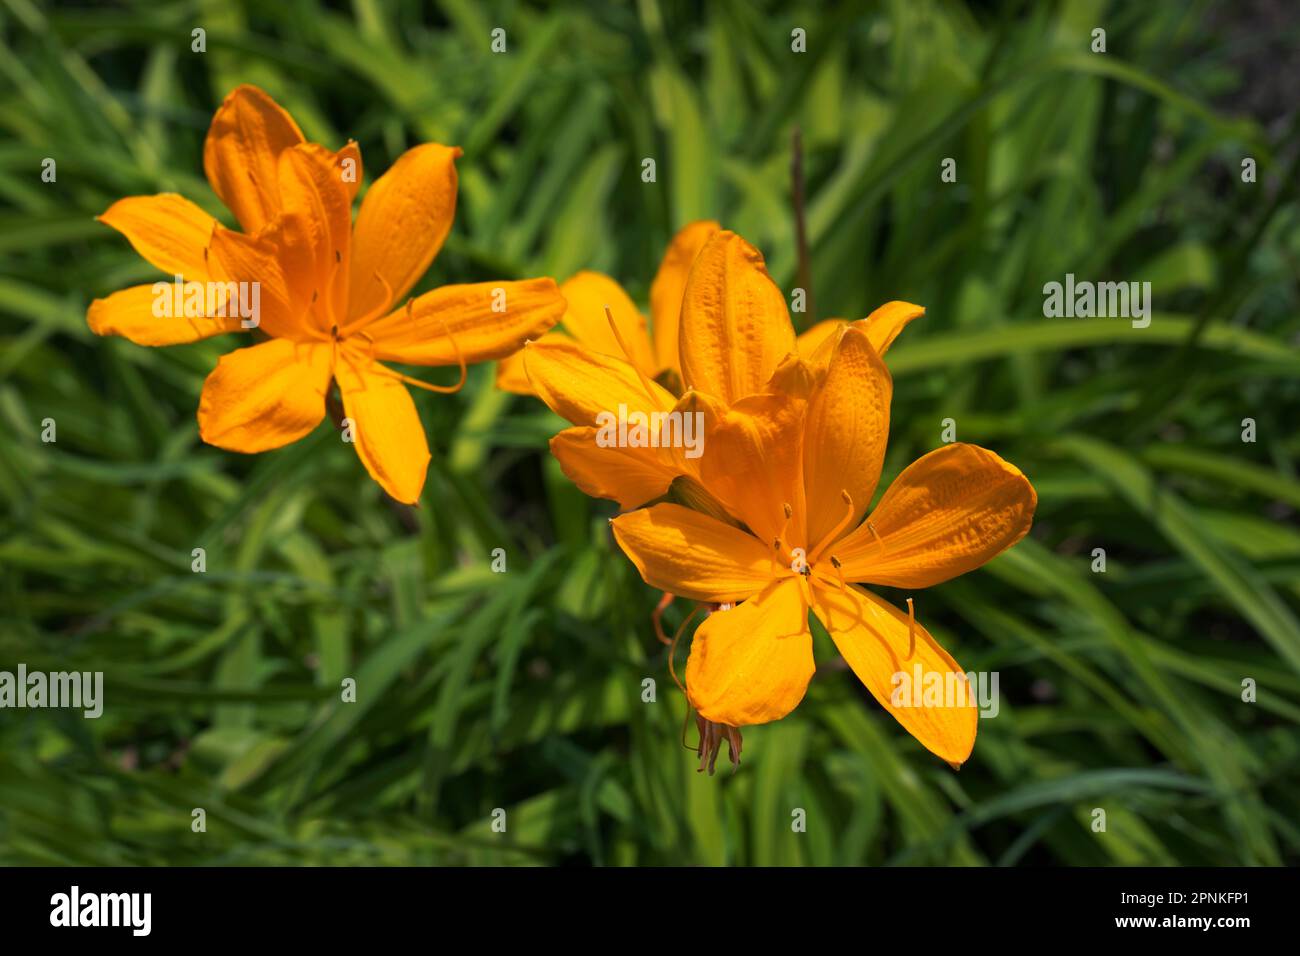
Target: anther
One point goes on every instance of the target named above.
(711, 737)
(839, 572)
(789, 513)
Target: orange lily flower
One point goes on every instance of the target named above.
(798, 466)
(730, 331)
(330, 291)
(723, 354)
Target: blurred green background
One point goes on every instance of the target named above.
(523, 691)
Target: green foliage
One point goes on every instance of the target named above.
(523, 690)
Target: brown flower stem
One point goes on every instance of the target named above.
(801, 227)
(334, 405)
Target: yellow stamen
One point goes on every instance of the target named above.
(672, 648)
(460, 361)
(627, 354)
(805, 601)
(657, 618)
(934, 645)
(356, 372)
(378, 310)
(839, 525)
(369, 340)
(839, 572)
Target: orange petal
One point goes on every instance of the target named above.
(735, 327)
(948, 513)
(265, 396)
(512, 376)
(404, 219)
(579, 384)
(630, 476)
(476, 322)
(796, 377)
(313, 194)
(752, 664)
(168, 230)
(636, 460)
(241, 153)
(692, 555)
(256, 261)
(873, 638)
(131, 314)
(810, 343)
(847, 428)
(883, 325)
(753, 464)
(348, 163)
(587, 294)
(670, 285)
(386, 427)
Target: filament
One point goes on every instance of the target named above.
(370, 344)
(840, 525)
(460, 361)
(378, 310)
(657, 618)
(686, 722)
(352, 366)
(672, 650)
(805, 602)
(627, 354)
